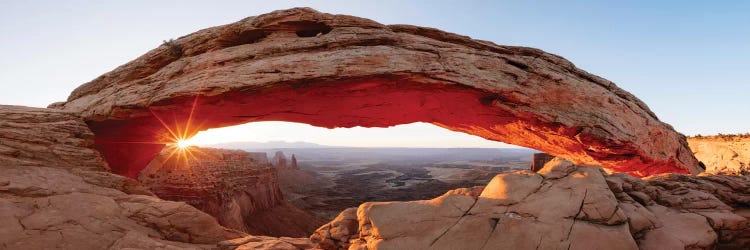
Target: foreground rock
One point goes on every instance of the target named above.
(265, 242)
(728, 155)
(55, 194)
(239, 190)
(564, 206)
(47, 137)
(327, 70)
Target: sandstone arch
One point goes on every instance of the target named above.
(340, 71)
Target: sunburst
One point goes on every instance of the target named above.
(175, 137)
(179, 136)
(183, 144)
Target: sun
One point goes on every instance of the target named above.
(183, 143)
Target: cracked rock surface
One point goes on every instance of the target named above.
(563, 206)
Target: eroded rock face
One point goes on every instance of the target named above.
(327, 70)
(231, 185)
(727, 156)
(55, 194)
(562, 206)
(46, 137)
(265, 242)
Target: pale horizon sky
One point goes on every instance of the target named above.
(405, 135)
(687, 60)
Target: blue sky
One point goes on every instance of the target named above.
(687, 60)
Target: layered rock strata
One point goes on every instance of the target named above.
(56, 194)
(47, 137)
(327, 70)
(231, 185)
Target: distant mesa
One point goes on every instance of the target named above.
(251, 145)
(259, 157)
(281, 162)
(301, 65)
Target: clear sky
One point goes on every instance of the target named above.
(688, 60)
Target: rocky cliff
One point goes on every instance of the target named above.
(47, 137)
(231, 185)
(55, 193)
(728, 155)
(564, 206)
(259, 157)
(281, 162)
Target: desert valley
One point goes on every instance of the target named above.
(594, 167)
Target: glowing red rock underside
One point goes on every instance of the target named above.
(376, 102)
(327, 70)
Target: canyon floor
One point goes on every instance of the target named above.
(331, 180)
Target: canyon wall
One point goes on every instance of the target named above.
(56, 193)
(47, 137)
(727, 155)
(232, 185)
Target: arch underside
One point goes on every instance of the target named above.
(380, 101)
(300, 65)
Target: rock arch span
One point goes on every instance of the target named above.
(327, 70)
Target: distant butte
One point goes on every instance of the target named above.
(327, 70)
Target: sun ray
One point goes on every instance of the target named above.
(175, 137)
(171, 153)
(163, 123)
(190, 117)
(135, 142)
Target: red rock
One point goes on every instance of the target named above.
(337, 233)
(326, 70)
(231, 186)
(47, 137)
(56, 193)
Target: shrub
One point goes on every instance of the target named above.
(174, 48)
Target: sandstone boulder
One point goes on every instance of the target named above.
(563, 206)
(727, 156)
(266, 243)
(337, 233)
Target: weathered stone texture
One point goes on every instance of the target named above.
(564, 206)
(327, 70)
